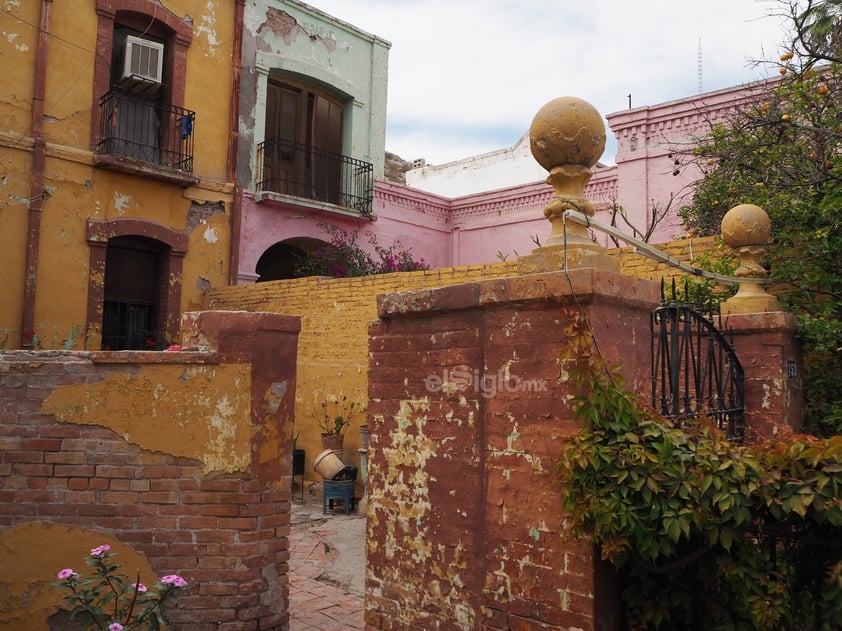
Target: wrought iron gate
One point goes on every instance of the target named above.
(694, 368)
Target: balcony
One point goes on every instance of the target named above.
(290, 168)
(142, 136)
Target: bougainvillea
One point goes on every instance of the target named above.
(345, 256)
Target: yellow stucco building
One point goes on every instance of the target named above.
(116, 168)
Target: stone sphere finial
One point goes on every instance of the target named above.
(746, 225)
(567, 138)
(565, 131)
(747, 229)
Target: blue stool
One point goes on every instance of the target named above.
(338, 490)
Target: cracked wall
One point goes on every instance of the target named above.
(76, 190)
(470, 408)
(180, 460)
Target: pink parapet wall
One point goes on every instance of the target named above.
(651, 170)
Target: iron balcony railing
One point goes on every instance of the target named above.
(143, 129)
(306, 171)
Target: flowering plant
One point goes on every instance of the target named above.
(108, 601)
(344, 256)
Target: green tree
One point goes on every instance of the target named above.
(782, 150)
(818, 29)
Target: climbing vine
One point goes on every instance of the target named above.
(705, 533)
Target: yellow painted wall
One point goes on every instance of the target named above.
(335, 312)
(193, 411)
(76, 191)
(33, 553)
(333, 343)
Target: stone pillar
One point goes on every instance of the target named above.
(469, 410)
(764, 334)
(770, 353)
(746, 228)
(269, 343)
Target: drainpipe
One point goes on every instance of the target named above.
(36, 191)
(233, 145)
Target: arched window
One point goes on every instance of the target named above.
(134, 284)
(131, 307)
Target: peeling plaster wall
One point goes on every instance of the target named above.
(470, 409)
(75, 190)
(333, 351)
(333, 345)
(285, 36)
(180, 461)
(188, 411)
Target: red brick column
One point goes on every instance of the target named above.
(770, 353)
(470, 408)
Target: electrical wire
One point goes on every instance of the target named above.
(52, 35)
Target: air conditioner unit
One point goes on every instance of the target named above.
(142, 63)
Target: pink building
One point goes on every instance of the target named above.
(446, 214)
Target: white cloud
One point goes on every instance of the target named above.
(465, 75)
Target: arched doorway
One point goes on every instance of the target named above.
(287, 259)
(133, 251)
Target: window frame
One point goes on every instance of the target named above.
(171, 260)
(141, 16)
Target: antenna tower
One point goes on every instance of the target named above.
(701, 89)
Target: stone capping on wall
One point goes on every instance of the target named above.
(521, 289)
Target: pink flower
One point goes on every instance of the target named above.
(173, 579)
(173, 348)
(66, 573)
(115, 626)
(100, 550)
(139, 587)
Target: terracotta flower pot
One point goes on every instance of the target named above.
(333, 441)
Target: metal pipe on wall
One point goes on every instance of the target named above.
(233, 143)
(36, 191)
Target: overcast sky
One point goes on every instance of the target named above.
(468, 76)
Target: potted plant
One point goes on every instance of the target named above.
(337, 414)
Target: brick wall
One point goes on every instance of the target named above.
(464, 525)
(335, 313)
(179, 461)
(685, 250)
(333, 343)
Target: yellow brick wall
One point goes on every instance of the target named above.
(684, 250)
(333, 343)
(335, 313)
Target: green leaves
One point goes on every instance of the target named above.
(782, 150)
(109, 596)
(715, 535)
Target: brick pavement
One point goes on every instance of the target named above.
(316, 603)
